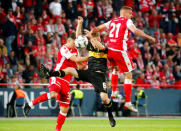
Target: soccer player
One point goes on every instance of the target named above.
(97, 67)
(118, 56)
(59, 87)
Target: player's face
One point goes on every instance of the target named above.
(129, 14)
(72, 42)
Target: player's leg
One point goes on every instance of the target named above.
(61, 117)
(98, 80)
(61, 73)
(108, 106)
(126, 65)
(64, 101)
(111, 56)
(42, 98)
(114, 81)
(127, 91)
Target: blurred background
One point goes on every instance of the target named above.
(31, 32)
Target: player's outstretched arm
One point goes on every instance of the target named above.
(79, 26)
(98, 28)
(95, 43)
(78, 59)
(140, 33)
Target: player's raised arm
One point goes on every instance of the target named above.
(101, 27)
(79, 26)
(95, 39)
(138, 32)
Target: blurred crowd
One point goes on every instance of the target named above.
(31, 32)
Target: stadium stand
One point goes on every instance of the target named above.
(31, 31)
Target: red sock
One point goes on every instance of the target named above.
(41, 98)
(60, 121)
(127, 90)
(114, 82)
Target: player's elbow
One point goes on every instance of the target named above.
(135, 31)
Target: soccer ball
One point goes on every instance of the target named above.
(81, 41)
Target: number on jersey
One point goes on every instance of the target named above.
(115, 30)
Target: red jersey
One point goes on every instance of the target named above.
(118, 33)
(63, 61)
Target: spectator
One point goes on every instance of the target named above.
(141, 80)
(10, 16)
(167, 73)
(29, 37)
(108, 9)
(13, 61)
(154, 19)
(2, 75)
(71, 11)
(3, 48)
(29, 4)
(28, 73)
(59, 27)
(9, 70)
(50, 26)
(30, 54)
(20, 43)
(9, 31)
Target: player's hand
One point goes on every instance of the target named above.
(152, 40)
(88, 33)
(80, 20)
(94, 30)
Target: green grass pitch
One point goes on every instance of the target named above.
(92, 125)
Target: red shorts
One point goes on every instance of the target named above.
(121, 59)
(62, 88)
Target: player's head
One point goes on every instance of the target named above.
(126, 12)
(71, 39)
(96, 35)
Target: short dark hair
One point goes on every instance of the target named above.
(126, 8)
(72, 35)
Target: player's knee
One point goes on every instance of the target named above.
(68, 70)
(104, 97)
(128, 75)
(64, 109)
(116, 70)
(53, 94)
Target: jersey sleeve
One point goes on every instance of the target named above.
(65, 52)
(107, 24)
(129, 23)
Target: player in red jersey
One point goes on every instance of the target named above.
(118, 56)
(59, 87)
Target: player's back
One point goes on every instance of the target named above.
(118, 33)
(63, 60)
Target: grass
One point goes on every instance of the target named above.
(92, 125)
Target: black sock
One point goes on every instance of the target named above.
(59, 73)
(109, 109)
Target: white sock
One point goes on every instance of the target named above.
(31, 104)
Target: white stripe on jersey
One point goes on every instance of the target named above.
(58, 66)
(127, 61)
(125, 39)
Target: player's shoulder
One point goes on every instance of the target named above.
(64, 47)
